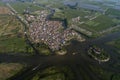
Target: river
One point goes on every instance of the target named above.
(81, 58)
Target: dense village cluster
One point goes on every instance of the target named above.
(49, 32)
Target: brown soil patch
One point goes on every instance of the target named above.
(4, 10)
(8, 70)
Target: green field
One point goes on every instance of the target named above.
(113, 12)
(12, 44)
(10, 25)
(72, 13)
(100, 23)
(69, 13)
(20, 7)
(11, 35)
(2, 4)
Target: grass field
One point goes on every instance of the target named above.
(113, 12)
(1, 3)
(100, 23)
(69, 13)
(20, 7)
(9, 25)
(9, 69)
(72, 13)
(11, 35)
(12, 45)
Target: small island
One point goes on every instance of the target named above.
(98, 54)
